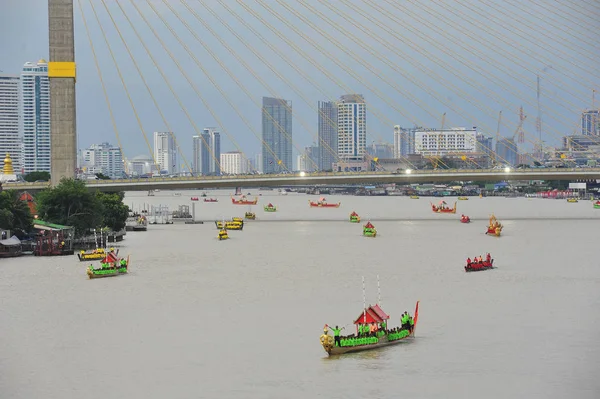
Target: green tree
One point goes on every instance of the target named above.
(114, 211)
(35, 176)
(14, 213)
(71, 204)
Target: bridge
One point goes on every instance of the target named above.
(303, 179)
(372, 23)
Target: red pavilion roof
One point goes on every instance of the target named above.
(373, 314)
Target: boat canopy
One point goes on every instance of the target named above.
(374, 314)
(369, 225)
(9, 242)
(110, 258)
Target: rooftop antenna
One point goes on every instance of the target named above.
(364, 302)
(378, 292)
(593, 98)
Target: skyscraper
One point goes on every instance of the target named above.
(165, 152)
(35, 100)
(507, 152)
(197, 155)
(211, 151)
(103, 158)
(276, 135)
(404, 141)
(590, 123)
(352, 127)
(10, 140)
(328, 134)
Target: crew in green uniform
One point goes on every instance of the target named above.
(336, 335)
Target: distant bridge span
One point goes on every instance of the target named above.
(304, 179)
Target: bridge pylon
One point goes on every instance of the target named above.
(61, 73)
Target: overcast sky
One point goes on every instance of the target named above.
(413, 60)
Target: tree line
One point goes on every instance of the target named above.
(70, 203)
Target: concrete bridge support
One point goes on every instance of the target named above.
(61, 72)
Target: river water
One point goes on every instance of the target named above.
(200, 318)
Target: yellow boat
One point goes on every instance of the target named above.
(572, 200)
(95, 254)
(463, 198)
(414, 197)
(223, 235)
(230, 225)
(237, 219)
(250, 215)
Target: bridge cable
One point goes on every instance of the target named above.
(181, 105)
(581, 13)
(237, 81)
(283, 56)
(124, 84)
(162, 116)
(206, 103)
(302, 52)
(106, 98)
(333, 59)
(258, 55)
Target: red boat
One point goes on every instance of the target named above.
(465, 219)
(211, 200)
(321, 203)
(479, 266)
(244, 201)
(194, 198)
(443, 208)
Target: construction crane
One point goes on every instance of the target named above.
(519, 129)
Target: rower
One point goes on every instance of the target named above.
(488, 258)
(468, 261)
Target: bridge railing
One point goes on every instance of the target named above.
(514, 173)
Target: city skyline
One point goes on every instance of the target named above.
(564, 94)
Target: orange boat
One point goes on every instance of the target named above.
(244, 201)
(443, 208)
(194, 198)
(465, 219)
(322, 203)
(495, 227)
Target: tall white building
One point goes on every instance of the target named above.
(258, 163)
(165, 152)
(233, 163)
(103, 158)
(352, 127)
(35, 108)
(444, 142)
(10, 140)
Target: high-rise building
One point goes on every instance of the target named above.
(404, 141)
(233, 163)
(352, 127)
(328, 134)
(35, 109)
(308, 160)
(276, 135)
(10, 139)
(258, 163)
(103, 158)
(381, 150)
(197, 155)
(165, 152)
(443, 142)
(507, 152)
(590, 122)
(211, 151)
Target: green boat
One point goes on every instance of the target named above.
(597, 205)
(369, 230)
(270, 208)
(111, 266)
(354, 218)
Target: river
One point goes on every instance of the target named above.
(202, 318)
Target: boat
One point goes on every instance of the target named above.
(322, 203)
(463, 198)
(244, 201)
(270, 208)
(494, 227)
(230, 225)
(10, 247)
(479, 266)
(150, 193)
(443, 208)
(194, 198)
(371, 332)
(111, 266)
(414, 197)
(223, 235)
(597, 205)
(94, 254)
(211, 200)
(465, 219)
(572, 200)
(354, 218)
(369, 230)
(250, 215)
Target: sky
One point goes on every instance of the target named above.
(413, 61)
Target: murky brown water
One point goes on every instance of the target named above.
(199, 318)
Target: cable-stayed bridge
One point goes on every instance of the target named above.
(460, 66)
